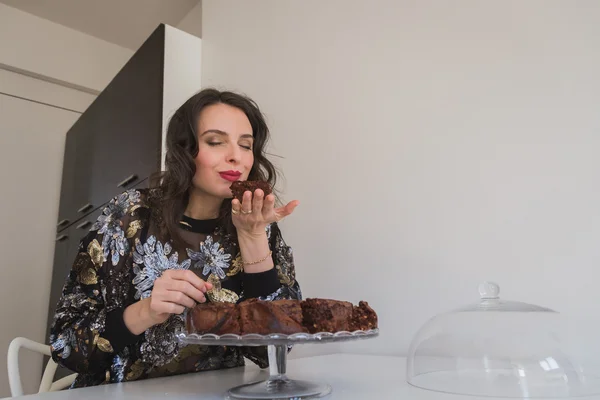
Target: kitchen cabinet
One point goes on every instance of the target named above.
(116, 144)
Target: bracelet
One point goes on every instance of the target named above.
(259, 261)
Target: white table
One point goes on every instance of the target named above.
(353, 377)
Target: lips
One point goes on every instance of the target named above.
(230, 176)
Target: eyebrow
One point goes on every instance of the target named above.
(223, 133)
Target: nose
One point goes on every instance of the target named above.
(234, 154)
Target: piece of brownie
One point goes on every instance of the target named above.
(281, 316)
(265, 317)
(324, 315)
(239, 187)
(217, 318)
(363, 317)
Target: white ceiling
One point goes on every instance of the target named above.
(124, 22)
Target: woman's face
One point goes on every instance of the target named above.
(224, 149)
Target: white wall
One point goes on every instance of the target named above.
(34, 117)
(26, 87)
(182, 74)
(32, 135)
(192, 22)
(38, 113)
(432, 145)
(41, 47)
(32, 138)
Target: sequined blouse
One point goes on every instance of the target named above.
(117, 264)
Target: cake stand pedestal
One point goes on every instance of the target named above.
(278, 386)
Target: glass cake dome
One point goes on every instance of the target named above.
(501, 348)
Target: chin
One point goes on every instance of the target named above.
(226, 194)
(215, 192)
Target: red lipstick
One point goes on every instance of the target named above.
(230, 176)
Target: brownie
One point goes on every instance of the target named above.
(217, 318)
(323, 315)
(363, 317)
(265, 317)
(239, 187)
(280, 316)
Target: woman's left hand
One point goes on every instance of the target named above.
(256, 212)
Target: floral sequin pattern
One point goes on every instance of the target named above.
(268, 229)
(237, 266)
(211, 258)
(62, 343)
(119, 365)
(109, 224)
(116, 209)
(218, 294)
(284, 262)
(99, 322)
(277, 295)
(161, 344)
(118, 263)
(151, 260)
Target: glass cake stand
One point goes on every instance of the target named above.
(278, 386)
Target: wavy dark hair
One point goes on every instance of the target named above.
(182, 148)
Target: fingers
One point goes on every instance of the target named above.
(252, 203)
(247, 202)
(162, 307)
(177, 290)
(257, 201)
(236, 206)
(178, 298)
(189, 276)
(258, 210)
(187, 289)
(269, 204)
(174, 308)
(286, 210)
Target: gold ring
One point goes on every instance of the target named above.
(246, 212)
(234, 212)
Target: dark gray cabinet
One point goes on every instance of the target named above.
(79, 197)
(67, 245)
(116, 142)
(115, 145)
(66, 249)
(66, 212)
(127, 139)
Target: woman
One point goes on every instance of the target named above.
(153, 253)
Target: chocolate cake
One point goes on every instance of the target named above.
(322, 315)
(217, 318)
(239, 187)
(264, 317)
(363, 318)
(280, 316)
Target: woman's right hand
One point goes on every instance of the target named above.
(175, 290)
(172, 293)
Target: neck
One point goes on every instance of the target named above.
(202, 206)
